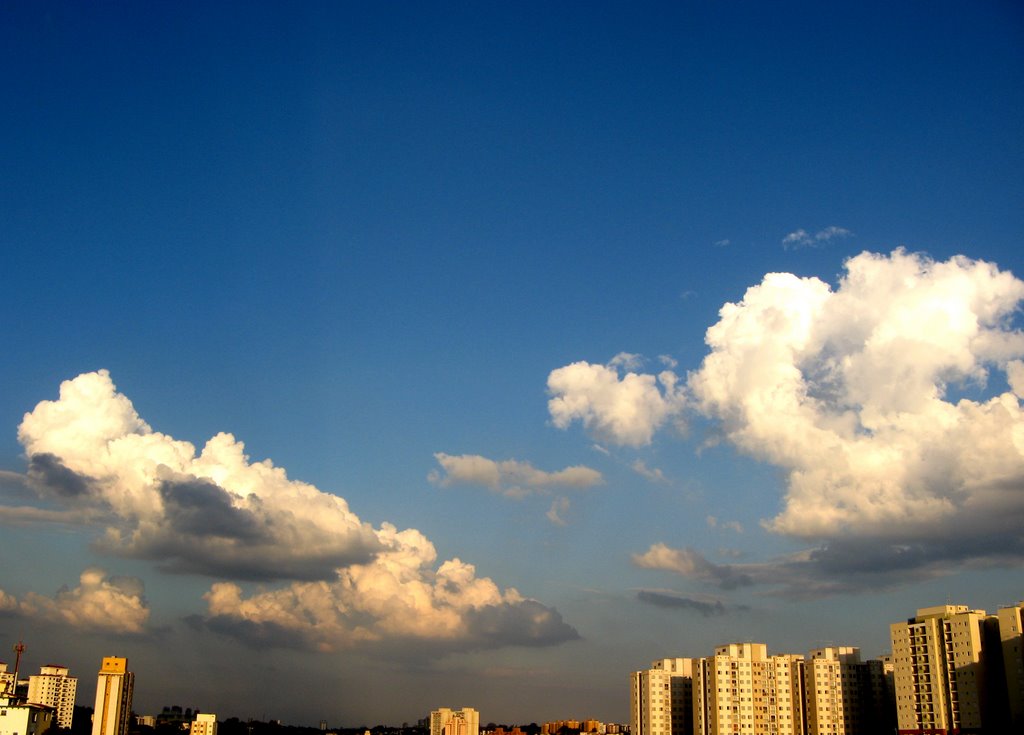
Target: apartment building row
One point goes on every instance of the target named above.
(952, 670)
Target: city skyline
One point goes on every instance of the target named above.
(367, 359)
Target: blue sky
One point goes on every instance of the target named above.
(431, 260)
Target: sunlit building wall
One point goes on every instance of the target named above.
(940, 671)
(465, 721)
(53, 687)
(114, 688)
(741, 689)
(24, 719)
(6, 681)
(660, 700)
(834, 679)
(205, 723)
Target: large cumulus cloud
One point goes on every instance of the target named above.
(99, 604)
(216, 513)
(891, 402)
(219, 514)
(400, 596)
(851, 392)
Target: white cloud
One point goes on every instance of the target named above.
(509, 477)
(397, 597)
(650, 473)
(736, 526)
(802, 239)
(623, 409)
(797, 238)
(217, 513)
(99, 604)
(559, 507)
(626, 361)
(846, 390)
(8, 603)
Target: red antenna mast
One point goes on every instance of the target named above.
(19, 648)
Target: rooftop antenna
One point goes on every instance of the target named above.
(19, 648)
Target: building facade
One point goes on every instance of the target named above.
(24, 719)
(741, 689)
(6, 681)
(1011, 629)
(661, 698)
(53, 687)
(940, 671)
(205, 723)
(465, 721)
(834, 680)
(114, 688)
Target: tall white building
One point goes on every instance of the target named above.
(205, 723)
(53, 687)
(661, 698)
(834, 682)
(741, 689)
(940, 670)
(114, 687)
(465, 721)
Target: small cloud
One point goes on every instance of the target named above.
(8, 603)
(802, 239)
(708, 608)
(601, 450)
(723, 243)
(652, 474)
(690, 563)
(736, 526)
(627, 361)
(670, 362)
(623, 409)
(509, 477)
(559, 506)
(796, 239)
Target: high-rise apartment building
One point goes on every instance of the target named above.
(834, 680)
(114, 688)
(465, 721)
(1011, 636)
(205, 723)
(53, 687)
(661, 698)
(741, 689)
(941, 675)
